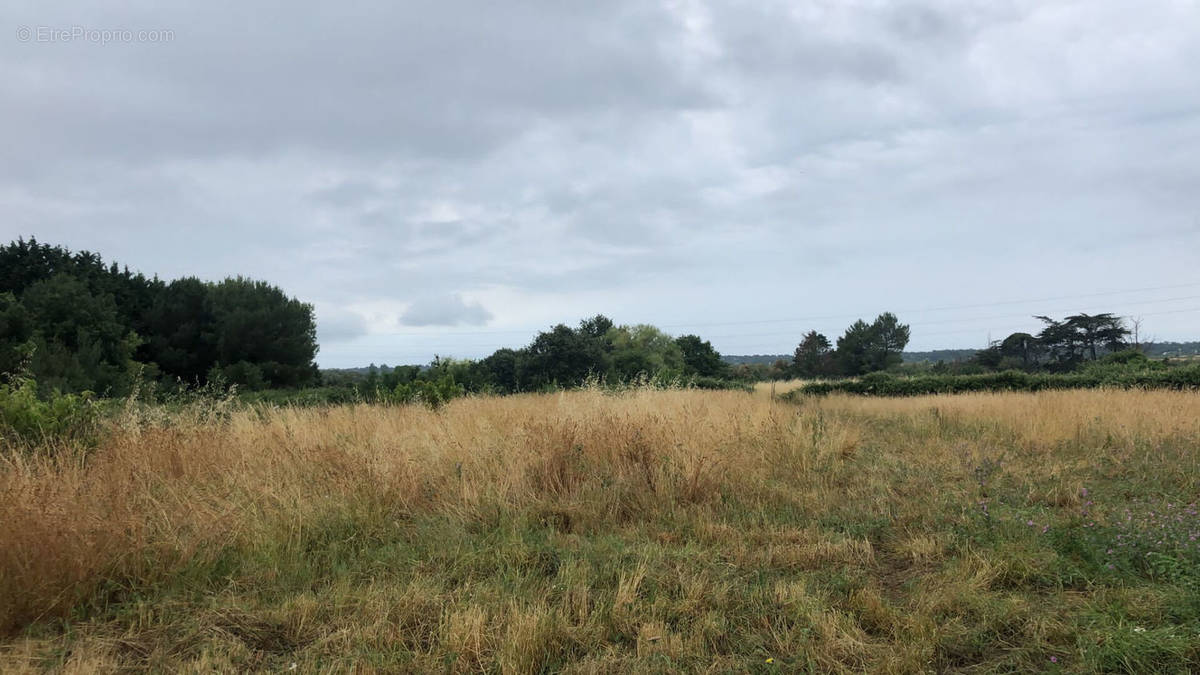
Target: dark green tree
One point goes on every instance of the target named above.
(596, 327)
(502, 369)
(1024, 348)
(16, 335)
(699, 357)
(182, 330)
(813, 357)
(80, 342)
(1082, 336)
(257, 324)
(854, 349)
(563, 357)
(889, 337)
(866, 348)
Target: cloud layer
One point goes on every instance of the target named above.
(739, 171)
(447, 310)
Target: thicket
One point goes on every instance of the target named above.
(76, 324)
(28, 419)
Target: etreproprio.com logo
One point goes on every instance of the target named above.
(93, 35)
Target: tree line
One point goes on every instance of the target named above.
(562, 357)
(74, 324)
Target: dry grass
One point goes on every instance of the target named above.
(779, 388)
(585, 532)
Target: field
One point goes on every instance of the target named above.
(657, 531)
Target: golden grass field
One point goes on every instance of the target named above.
(661, 531)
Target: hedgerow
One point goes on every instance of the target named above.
(886, 384)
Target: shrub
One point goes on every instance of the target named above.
(433, 393)
(26, 419)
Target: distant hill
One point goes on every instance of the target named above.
(764, 359)
(1154, 349)
(947, 355)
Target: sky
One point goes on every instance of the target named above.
(451, 177)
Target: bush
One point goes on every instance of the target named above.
(433, 393)
(27, 420)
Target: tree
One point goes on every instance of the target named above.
(853, 349)
(643, 350)
(1082, 336)
(867, 347)
(699, 357)
(258, 324)
(813, 357)
(80, 342)
(182, 330)
(563, 357)
(502, 369)
(889, 337)
(596, 327)
(16, 335)
(1100, 331)
(1022, 346)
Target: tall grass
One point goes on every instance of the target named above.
(590, 531)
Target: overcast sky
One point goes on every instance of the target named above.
(448, 177)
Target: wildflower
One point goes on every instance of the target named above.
(770, 659)
(1045, 529)
(1053, 659)
(1139, 629)
(1029, 523)
(1083, 492)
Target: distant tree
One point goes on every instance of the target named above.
(889, 337)
(699, 357)
(854, 349)
(1023, 346)
(257, 323)
(24, 263)
(866, 348)
(644, 350)
(562, 356)
(16, 335)
(596, 327)
(502, 369)
(182, 330)
(1097, 332)
(813, 357)
(80, 340)
(1082, 336)
(373, 381)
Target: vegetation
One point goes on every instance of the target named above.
(76, 325)
(1126, 370)
(597, 351)
(587, 531)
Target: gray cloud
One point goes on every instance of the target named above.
(339, 325)
(668, 162)
(447, 310)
